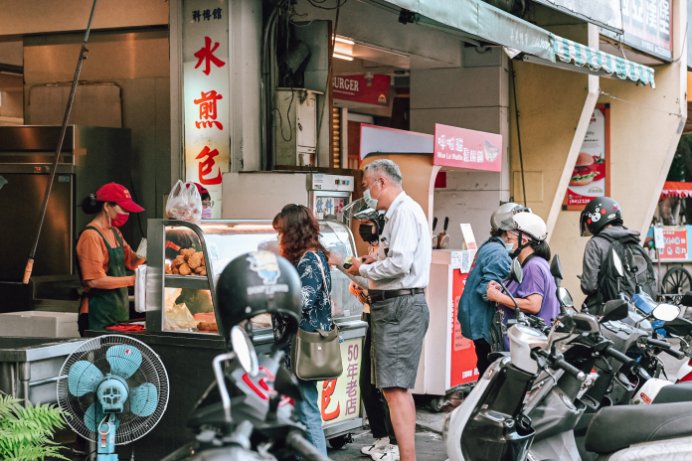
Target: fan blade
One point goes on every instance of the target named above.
(83, 377)
(124, 360)
(93, 416)
(144, 399)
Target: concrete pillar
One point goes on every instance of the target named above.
(474, 98)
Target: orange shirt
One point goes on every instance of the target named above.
(93, 255)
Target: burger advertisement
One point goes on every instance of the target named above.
(589, 177)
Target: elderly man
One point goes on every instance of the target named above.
(397, 277)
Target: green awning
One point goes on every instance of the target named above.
(598, 61)
(493, 25)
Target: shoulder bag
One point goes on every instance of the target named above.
(317, 355)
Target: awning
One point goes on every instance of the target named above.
(496, 26)
(584, 56)
(676, 189)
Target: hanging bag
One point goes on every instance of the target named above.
(317, 355)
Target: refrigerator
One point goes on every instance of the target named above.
(91, 156)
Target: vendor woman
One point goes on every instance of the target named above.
(105, 257)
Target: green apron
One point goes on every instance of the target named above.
(107, 307)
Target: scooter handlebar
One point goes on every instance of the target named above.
(569, 368)
(666, 347)
(617, 355)
(300, 444)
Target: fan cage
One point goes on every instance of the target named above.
(131, 427)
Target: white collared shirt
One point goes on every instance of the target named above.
(404, 254)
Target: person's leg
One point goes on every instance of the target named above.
(308, 413)
(372, 400)
(482, 351)
(403, 413)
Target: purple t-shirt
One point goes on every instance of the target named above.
(537, 280)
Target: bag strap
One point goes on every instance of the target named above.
(324, 277)
(324, 282)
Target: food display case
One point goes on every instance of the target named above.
(184, 262)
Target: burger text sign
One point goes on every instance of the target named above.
(590, 175)
(462, 148)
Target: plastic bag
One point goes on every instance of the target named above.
(184, 203)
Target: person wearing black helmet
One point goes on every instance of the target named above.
(491, 264)
(602, 218)
(299, 233)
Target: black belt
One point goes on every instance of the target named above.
(380, 295)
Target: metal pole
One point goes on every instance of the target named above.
(70, 101)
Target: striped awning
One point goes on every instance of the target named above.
(583, 56)
(488, 23)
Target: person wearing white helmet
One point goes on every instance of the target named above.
(536, 294)
(491, 264)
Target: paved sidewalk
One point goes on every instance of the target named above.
(429, 443)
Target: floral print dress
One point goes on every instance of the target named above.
(317, 308)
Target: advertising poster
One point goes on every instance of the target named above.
(462, 148)
(590, 174)
(339, 399)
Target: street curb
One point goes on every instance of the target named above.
(426, 428)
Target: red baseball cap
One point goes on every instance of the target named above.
(114, 192)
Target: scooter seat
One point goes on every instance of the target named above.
(618, 427)
(681, 392)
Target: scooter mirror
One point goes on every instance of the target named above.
(615, 309)
(556, 268)
(515, 271)
(564, 297)
(666, 312)
(617, 263)
(244, 350)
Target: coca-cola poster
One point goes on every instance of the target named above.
(589, 177)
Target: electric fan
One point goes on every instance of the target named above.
(113, 390)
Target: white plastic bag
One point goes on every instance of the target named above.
(140, 288)
(184, 203)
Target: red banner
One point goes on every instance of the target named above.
(369, 89)
(462, 148)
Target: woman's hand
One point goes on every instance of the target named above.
(335, 259)
(493, 292)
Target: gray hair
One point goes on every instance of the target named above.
(386, 166)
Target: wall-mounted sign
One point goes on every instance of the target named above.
(462, 148)
(647, 26)
(590, 174)
(206, 94)
(675, 246)
(365, 88)
(605, 13)
(391, 140)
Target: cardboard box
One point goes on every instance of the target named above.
(39, 324)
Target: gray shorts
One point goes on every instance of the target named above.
(398, 328)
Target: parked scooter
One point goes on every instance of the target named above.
(247, 412)
(543, 376)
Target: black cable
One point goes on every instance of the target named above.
(516, 114)
(316, 4)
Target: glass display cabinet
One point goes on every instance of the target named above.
(185, 261)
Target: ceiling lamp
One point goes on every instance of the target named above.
(343, 48)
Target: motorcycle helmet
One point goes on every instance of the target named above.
(255, 283)
(598, 213)
(501, 219)
(370, 217)
(530, 224)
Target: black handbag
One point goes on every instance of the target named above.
(317, 355)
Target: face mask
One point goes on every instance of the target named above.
(206, 213)
(369, 201)
(367, 234)
(119, 220)
(509, 247)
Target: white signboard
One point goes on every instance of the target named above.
(206, 94)
(390, 140)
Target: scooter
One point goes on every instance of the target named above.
(253, 420)
(491, 423)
